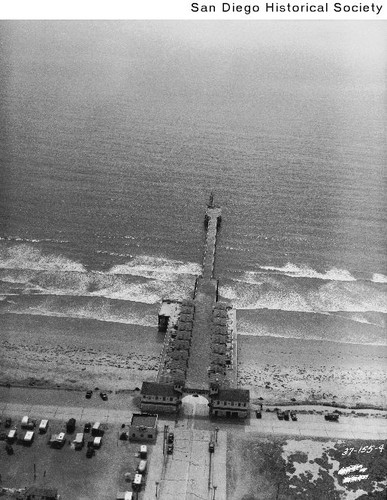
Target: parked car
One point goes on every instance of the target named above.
(171, 437)
(280, 415)
(211, 447)
(70, 426)
(8, 422)
(170, 449)
(332, 417)
(258, 413)
(90, 452)
(286, 414)
(104, 396)
(9, 449)
(87, 427)
(293, 415)
(89, 394)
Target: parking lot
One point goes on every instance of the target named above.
(67, 469)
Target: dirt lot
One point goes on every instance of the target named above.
(287, 468)
(74, 475)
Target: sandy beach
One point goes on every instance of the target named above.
(57, 352)
(54, 352)
(279, 369)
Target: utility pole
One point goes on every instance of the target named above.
(213, 498)
(157, 486)
(216, 434)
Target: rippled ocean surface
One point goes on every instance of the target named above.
(113, 134)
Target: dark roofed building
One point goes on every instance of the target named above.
(219, 348)
(160, 398)
(219, 329)
(220, 313)
(178, 364)
(187, 309)
(230, 403)
(184, 335)
(143, 426)
(180, 354)
(185, 318)
(220, 321)
(181, 344)
(219, 339)
(182, 327)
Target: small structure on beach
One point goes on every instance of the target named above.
(167, 310)
(143, 426)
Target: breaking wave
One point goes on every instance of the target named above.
(97, 309)
(379, 278)
(97, 284)
(25, 256)
(32, 240)
(294, 271)
(283, 293)
(156, 267)
(27, 270)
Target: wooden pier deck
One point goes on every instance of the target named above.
(200, 351)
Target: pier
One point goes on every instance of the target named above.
(205, 297)
(200, 342)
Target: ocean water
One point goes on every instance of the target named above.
(113, 134)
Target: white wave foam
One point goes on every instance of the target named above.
(114, 254)
(26, 257)
(294, 271)
(99, 284)
(32, 240)
(332, 296)
(379, 278)
(256, 299)
(157, 268)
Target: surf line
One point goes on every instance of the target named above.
(295, 8)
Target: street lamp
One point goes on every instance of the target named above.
(157, 485)
(213, 498)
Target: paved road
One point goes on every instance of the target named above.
(349, 426)
(50, 412)
(185, 474)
